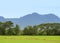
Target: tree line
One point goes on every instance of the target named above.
(7, 28)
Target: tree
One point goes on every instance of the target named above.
(6, 28)
(25, 31)
(17, 29)
(8, 24)
(35, 30)
(2, 29)
(28, 30)
(49, 29)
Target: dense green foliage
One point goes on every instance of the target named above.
(49, 29)
(7, 28)
(43, 29)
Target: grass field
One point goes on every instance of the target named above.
(29, 39)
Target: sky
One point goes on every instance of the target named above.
(20, 8)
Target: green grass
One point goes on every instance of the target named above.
(29, 39)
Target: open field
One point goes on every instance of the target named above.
(29, 39)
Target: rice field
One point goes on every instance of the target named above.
(29, 39)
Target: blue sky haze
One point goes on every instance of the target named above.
(19, 8)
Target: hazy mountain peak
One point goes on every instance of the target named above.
(33, 19)
(1, 17)
(34, 13)
(51, 16)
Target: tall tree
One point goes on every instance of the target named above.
(17, 29)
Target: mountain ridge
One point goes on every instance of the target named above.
(33, 19)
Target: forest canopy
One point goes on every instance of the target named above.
(7, 28)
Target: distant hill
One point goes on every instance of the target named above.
(2, 19)
(33, 19)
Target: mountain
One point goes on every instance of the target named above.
(2, 19)
(33, 19)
